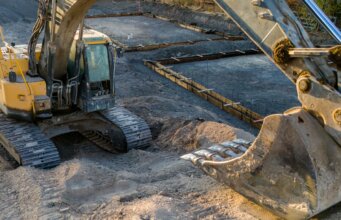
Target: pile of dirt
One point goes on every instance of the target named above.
(187, 136)
(143, 184)
(151, 184)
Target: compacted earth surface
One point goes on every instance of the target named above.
(152, 183)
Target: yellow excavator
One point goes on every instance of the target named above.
(64, 85)
(293, 168)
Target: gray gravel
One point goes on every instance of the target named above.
(252, 80)
(219, 22)
(17, 18)
(142, 30)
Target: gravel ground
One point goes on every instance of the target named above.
(207, 20)
(251, 80)
(141, 30)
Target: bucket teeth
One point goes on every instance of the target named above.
(210, 159)
(238, 144)
(230, 144)
(223, 151)
(243, 142)
(218, 152)
(209, 155)
(193, 158)
(292, 168)
(217, 148)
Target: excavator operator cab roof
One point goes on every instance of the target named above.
(91, 36)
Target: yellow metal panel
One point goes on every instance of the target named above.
(6, 65)
(17, 96)
(96, 42)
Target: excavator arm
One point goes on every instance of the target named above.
(60, 19)
(293, 167)
(275, 29)
(65, 19)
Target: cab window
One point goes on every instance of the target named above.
(98, 63)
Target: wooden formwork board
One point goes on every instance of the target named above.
(230, 106)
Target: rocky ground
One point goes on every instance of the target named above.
(142, 184)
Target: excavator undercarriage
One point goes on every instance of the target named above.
(115, 130)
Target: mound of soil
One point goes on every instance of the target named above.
(186, 136)
(150, 184)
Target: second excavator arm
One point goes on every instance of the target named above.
(293, 167)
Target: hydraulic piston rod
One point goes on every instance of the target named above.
(323, 18)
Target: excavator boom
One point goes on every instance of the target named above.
(60, 19)
(62, 22)
(293, 166)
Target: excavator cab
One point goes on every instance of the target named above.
(96, 78)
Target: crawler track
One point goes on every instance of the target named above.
(135, 130)
(27, 144)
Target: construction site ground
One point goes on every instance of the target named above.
(152, 183)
